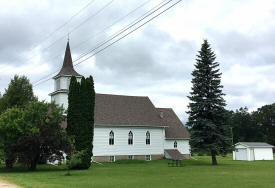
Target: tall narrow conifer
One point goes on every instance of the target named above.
(81, 118)
(210, 131)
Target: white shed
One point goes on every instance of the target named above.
(251, 151)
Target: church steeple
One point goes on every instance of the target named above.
(67, 68)
(62, 80)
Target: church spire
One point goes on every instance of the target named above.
(67, 68)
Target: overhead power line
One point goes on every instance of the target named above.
(119, 38)
(49, 35)
(82, 41)
(61, 37)
(136, 21)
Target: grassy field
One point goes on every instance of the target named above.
(197, 173)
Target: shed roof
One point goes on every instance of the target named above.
(174, 154)
(254, 144)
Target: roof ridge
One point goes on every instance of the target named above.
(121, 95)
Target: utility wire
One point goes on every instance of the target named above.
(49, 35)
(86, 39)
(119, 38)
(61, 37)
(112, 37)
(123, 30)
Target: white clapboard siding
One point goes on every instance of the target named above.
(55, 98)
(182, 145)
(62, 97)
(63, 100)
(63, 82)
(263, 153)
(121, 147)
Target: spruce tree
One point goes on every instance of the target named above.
(210, 131)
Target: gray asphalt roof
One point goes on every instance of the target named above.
(176, 129)
(255, 144)
(136, 110)
(124, 110)
(67, 68)
(174, 154)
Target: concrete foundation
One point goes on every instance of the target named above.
(118, 157)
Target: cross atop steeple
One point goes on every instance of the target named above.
(68, 68)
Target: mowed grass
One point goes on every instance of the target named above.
(197, 173)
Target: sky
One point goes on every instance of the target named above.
(155, 60)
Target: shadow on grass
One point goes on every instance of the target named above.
(40, 168)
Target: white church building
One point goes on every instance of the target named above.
(127, 127)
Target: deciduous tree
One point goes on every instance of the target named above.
(264, 118)
(19, 93)
(33, 133)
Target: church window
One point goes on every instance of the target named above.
(130, 138)
(57, 82)
(68, 83)
(111, 138)
(147, 138)
(175, 144)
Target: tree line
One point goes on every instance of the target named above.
(31, 130)
(256, 126)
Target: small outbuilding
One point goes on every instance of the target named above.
(251, 151)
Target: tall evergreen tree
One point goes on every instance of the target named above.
(80, 119)
(210, 130)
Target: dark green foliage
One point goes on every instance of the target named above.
(200, 153)
(80, 118)
(75, 160)
(257, 126)
(264, 118)
(210, 131)
(33, 133)
(19, 93)
(244, 127)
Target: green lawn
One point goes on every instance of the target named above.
(197, 173)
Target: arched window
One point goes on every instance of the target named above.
(68, 82)
(130, 138)
(175, 144)
(111, 138)
(147, 138)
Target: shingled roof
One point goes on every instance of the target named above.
(173, 154)
(67, 68)
(176, 129)
(136, 111)
(125, 110)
